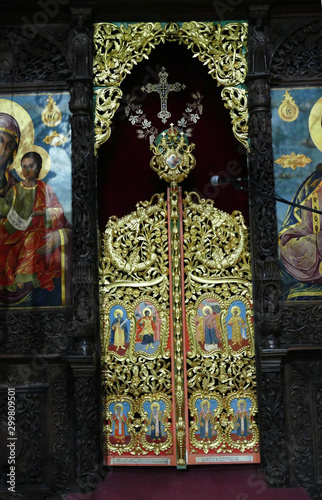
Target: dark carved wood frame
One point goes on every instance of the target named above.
(289, 336)
(52, 358)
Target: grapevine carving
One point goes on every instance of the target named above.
(299, 56)
(25, 57)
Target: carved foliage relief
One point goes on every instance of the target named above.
(119, 47)
(136, 368)
(298, 57)
(141, 348)
(33, 55)
(220, 358)
(33, 445)
(304, 429)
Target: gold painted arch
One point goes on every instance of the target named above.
(222, 47)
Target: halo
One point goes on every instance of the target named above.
(147, 309)
(315, 125)
(155, 404)
(117, 311)
(27, 131)
(234, 308)
(205, 401)
(36, 149)
(120, 405)
(241, 401)
(206, 308)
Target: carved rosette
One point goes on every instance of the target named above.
(118, 48)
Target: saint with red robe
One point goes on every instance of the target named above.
(146, 329)
(31, 212)
(119, 420)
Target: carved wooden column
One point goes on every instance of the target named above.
(296, 62)
(264, 254)
(84, 283)
(85, 323)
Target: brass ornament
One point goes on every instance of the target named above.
(177, 295)
(172, 159)
(235, 99)
(288, 110)
(163, 88)
(145, 129)
(106, 104)
(216, 242)
(293, 161)
(51, 115)
(134, 247)
(55, 139)
(223, 48)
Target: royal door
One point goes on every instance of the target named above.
(178, 363)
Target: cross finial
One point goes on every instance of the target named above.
(163, 88)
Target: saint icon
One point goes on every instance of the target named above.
(241, 419)
(147, 328)
(155, 423)
(119, 338)
(208, 326)
(119, 420)
(173, 160)
(238, 337)
(206, 428)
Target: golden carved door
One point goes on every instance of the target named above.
(178, 363)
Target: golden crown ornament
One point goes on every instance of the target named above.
(172, 158)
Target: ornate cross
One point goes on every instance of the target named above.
(163, 88)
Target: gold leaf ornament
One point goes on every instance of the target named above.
(293, 161)
(288, 110)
